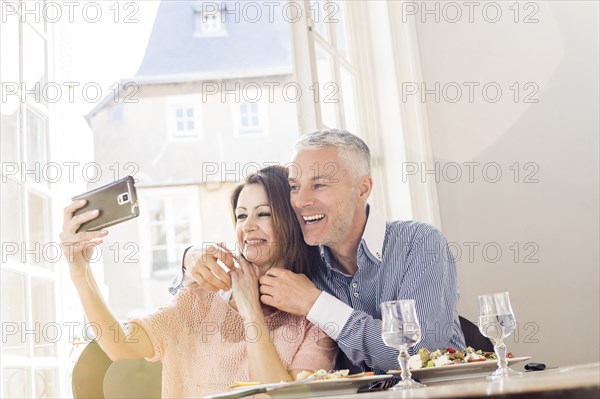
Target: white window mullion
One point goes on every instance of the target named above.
(170, 230)
(145, 235)
(28, 296)
(195, 216)
(340, 95)
(28, 338)
(305, 69)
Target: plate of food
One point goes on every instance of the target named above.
(451, 364)
(318, 383)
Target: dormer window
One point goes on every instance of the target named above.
(208, 20)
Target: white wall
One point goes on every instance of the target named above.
(558, 215)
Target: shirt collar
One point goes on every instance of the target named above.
(374, 233)
(326, 256)
(372, 238)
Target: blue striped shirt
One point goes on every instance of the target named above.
(396, 260)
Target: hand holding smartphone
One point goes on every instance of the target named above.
(117, 202)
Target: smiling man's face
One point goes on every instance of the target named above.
(324, 196)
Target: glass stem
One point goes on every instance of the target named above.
(403, 359)
(500, 349)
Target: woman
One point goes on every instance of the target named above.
(207, 341)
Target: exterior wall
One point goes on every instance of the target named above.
(141, 138)
(553, 282)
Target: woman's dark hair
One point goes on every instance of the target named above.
(296, 255)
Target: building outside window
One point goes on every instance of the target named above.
(170, 221)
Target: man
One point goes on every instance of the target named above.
(365, 260)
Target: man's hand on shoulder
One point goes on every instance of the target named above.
(200, 263)
(288, 291)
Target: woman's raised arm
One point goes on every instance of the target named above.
(117, 342)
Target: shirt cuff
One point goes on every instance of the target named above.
(329, 314)
(182, 279)
(176, 283)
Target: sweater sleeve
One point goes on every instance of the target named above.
(165, 324)
(317, 351)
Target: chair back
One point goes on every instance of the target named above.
(473, 337)
(95, 376)
(133, 378)
(89, 371)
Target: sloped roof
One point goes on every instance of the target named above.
(252, 47)
(174, 49)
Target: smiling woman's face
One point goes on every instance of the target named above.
(254, 227)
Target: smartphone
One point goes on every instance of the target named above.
(117, 202)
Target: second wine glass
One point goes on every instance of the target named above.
(497, 321)
(400, 329)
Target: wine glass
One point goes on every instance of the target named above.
(400, 329)
(497, 321)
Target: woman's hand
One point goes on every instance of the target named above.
(78, 248)
(246, 293)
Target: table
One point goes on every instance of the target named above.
(580, 382)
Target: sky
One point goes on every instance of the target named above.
(112, 48)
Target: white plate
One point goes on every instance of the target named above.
(458, 371)
(334, 386)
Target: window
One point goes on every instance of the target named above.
(31, 362)
(250, 114)
(9, 111)
(115, 114)
(36, 132)
(330, 42)
(170, 222)
(183, 117)
(249, 119)
(208, 21)
(184, 120)
(211, 23)
(35, 71)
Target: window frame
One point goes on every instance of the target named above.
(27, 184)
(186, 101)
(200, 24)
(263, 114)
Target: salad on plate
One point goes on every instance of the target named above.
(444, 357)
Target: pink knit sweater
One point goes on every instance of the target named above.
(201, 342)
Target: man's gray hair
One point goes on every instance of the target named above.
(351, 149)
